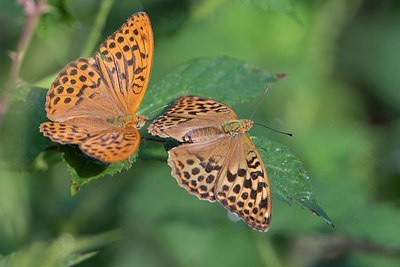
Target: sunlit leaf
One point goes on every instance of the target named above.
(224, 78)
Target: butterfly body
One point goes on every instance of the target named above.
(217, 161)
(203, 134)
(93, 101)
(130, 120)
(209, 133)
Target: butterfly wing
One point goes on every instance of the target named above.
(229, 170)
(128, 55)
(89, 94)
(196, 166)
(94, 138)
(188, 113)
(112, 146)
(243, 186)
(115, 85)
(79, 91)
(64, 133)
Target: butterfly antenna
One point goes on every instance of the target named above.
(157, 109)
(272, 129)
(267, 87)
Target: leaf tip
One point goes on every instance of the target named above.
(323, 216)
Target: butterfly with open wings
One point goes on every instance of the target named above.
(217, 161)
(93, 101)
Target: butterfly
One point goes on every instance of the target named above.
(216, 160)
(93, 101)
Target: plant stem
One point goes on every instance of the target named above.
(33, 10)
(98, 26)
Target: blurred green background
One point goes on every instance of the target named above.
(340, 98)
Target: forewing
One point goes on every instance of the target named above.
(244, 187)
(188, 113)
(79, 91)
(128, 55)
(115, 85)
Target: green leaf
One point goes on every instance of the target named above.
(65, 251)
(289, 179)
(224, 78)
(153, 150)
(84, 169)
(20, 139)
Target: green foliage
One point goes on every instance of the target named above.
(84, 169)
(340, 99)
(221, 78)
(227, 79)
(20, 139)
(289, 179)
(63, 252)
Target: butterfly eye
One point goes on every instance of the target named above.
(140, 121)
(187, 139)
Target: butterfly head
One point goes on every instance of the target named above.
(245, 125)
(140, 120)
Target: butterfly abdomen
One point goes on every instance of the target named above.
(204, 134)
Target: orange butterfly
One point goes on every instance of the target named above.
(93, 100)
